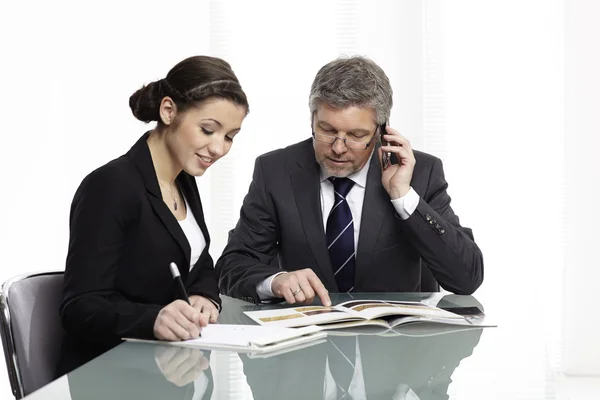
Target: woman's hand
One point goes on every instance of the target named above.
(178, 321)
(207, 309)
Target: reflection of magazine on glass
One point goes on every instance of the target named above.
(406, 326)
(386, 314)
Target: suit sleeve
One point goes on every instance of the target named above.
(448, 249)
(92, 308)
(204, 282)
(252, 244)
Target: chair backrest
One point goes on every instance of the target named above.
(31, 330)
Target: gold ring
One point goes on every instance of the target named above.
(297, 291)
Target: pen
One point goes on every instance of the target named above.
(177, 277)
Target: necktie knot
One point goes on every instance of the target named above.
(341, 186)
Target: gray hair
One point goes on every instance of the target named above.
(352, 81)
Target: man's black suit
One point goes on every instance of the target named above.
(281, 217)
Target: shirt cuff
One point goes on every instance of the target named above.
(263, 289)
(406, 205)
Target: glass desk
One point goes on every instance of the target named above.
(468, 364)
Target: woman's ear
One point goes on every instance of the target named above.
(167, 110)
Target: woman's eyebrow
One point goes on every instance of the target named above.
(213, 120)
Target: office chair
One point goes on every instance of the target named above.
(31, 330)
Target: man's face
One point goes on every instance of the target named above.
(355, 124)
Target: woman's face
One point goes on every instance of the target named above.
(204, 133)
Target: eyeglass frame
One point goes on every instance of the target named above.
(335, 137)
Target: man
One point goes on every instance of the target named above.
(323, 215)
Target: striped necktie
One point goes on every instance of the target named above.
(340, 235)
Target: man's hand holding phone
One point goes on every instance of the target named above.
(396, 177)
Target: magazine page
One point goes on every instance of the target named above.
(299, 316)
(381, 323)
(371, 309)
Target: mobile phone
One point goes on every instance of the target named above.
(387, 158)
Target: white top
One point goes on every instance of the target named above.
(193, 233)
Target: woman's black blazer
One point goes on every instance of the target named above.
(122, 239)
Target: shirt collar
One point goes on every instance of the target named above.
(359, 178)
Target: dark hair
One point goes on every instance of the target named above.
(191, 81)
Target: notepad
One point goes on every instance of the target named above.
(247, 338)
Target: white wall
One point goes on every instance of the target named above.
(68, 71)
(582, 346)
(480, 84)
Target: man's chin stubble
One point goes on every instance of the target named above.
(337, 172)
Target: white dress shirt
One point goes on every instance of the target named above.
(193, 233)
(404, 206)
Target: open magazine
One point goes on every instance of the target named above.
(359, 313)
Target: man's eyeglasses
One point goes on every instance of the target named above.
(351, 144)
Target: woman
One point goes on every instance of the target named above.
(135, 215)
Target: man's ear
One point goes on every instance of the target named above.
(167, 110)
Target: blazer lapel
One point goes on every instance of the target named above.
(140, 155)
(306, 188)
(375, 206)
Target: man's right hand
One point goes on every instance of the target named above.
(300, 287)
(177, 321)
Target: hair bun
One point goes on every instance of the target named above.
(145, 102)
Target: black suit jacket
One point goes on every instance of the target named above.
(122, 239)
(281, 217)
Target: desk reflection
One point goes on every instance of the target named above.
(357, 367)
(386, 368)
(145, 371)
(381, 367)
